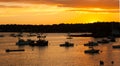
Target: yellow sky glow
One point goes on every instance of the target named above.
(52, 14)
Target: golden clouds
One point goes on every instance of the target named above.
(57, 11)
(29, 9)
(73, 3)
(96, 10)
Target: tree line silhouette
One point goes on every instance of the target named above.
(96, 28)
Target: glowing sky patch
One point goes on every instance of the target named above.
(57, 11)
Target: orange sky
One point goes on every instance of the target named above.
(58, 11)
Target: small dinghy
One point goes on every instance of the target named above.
(17, 50)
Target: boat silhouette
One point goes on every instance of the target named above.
(16, 50)
(92, 51)
(41, 41)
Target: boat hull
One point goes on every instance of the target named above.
(117, 46)
(91, 51)
(8, 50)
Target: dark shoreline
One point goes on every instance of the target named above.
(98, 29)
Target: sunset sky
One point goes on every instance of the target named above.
(58, 11)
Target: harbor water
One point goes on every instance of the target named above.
(54, 55)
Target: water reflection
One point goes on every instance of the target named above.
(21, 47)
(54, 55)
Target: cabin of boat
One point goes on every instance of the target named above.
(29, 41)
(23, 42)
(40, 43)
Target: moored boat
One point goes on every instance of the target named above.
(10, 50)
(91, 43)
(104, 41)
(31, 35)
(112, 39)
(116, 46)
(23, 42)
(1, 35)
(41, 41)
(91, 51)
(67, 44)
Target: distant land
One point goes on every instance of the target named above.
(104, 28)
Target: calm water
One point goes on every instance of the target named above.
(54, 55)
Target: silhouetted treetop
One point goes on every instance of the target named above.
(90, 27)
